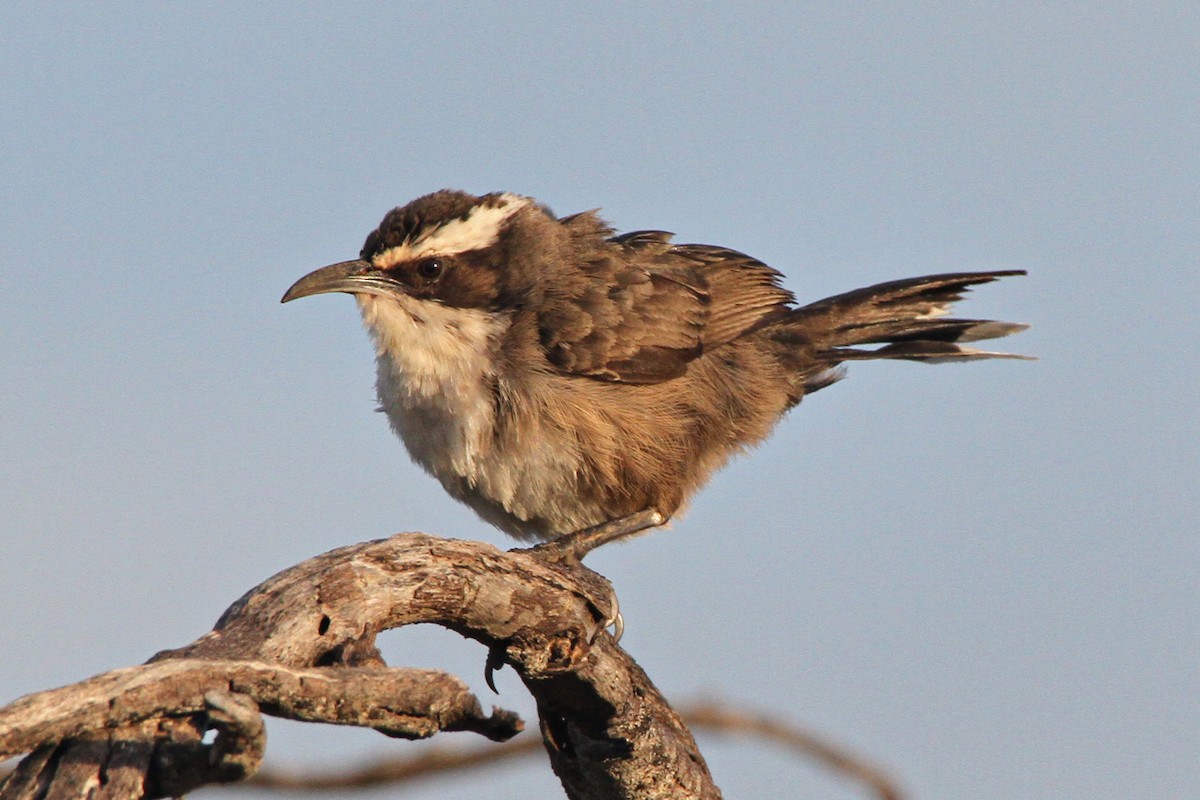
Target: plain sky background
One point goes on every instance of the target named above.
(982, 576)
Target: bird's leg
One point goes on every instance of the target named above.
(572, 547)
(569, 550)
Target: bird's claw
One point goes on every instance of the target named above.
(618, 625)
(495, 663)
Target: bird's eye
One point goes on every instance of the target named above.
(430, 268)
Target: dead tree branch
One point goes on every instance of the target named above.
(302, 645)
(409, 704)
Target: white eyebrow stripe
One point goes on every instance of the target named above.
(479, 229)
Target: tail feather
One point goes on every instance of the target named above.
(930, 352)
(908, 317)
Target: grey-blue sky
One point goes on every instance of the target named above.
(983, 575)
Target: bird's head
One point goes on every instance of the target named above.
(448, 248)
(442, 283)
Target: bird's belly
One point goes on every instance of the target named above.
(528, 487)
(529, 490)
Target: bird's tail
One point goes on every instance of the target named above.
(909, 318)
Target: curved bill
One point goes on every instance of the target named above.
(354, 277)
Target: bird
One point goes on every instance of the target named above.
(575, 385)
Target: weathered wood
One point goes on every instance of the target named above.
(302, 645)
(410, 703)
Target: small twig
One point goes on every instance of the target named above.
(707, 716)
(395, 770)
(732, 720)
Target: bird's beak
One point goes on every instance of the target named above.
(354, 277)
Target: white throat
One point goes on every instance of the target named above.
(435, 377)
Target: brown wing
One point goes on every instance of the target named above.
(648, 308)
(744, 290)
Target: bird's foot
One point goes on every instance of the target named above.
(568, 551)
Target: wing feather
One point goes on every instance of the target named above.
(648, 309)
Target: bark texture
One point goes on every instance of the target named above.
(302, 645)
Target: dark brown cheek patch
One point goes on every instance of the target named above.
(471, 280)
(466, 287)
